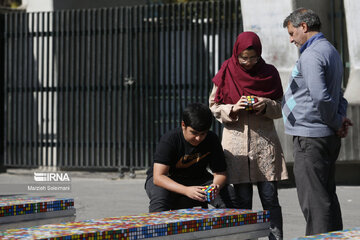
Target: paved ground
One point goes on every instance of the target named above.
(99, 195)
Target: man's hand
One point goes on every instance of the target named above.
(343, 131)
(195, 192)
(216, 188)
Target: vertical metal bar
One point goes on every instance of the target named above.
(213, 41)
(15, 90)
(219, 28)
(126, 88)
(143, 117)
(28, 96)
(42, 90)
(75, 69)
(72, 89)
(32, 84)
(156, 58)
(121, 60)
(76, 115)
(60, 24)
(7, 85)
(174, 63)
(207, 55)
(146, 80)
(163, 67)
(92, 94)
(103, 83)
(63, 76)
(196, 51)
(67, 90)
(7, 20)
(202, 81)
(137, 85)
(236, 20)
(87, 41)
(81, 35)
(154, 106)
(97, 94)
(131, 88)
(54, 85)
(90, 68)
(21, 87)
(228, 28)
(186, 75)
(37, 89)
(47, 139)
(179, 61)
(175, 68)
(168, 57)
(110, 125)
(116, 96)
(191, 55)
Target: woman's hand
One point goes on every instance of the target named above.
(240, 105)
(195, 192)
(260, 106)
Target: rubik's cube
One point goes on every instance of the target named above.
(250, 101)
(210, 193)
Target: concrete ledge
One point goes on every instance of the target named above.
(27, 211)
(353, 233)
(252, 231)
(36, 219)
(195, 223)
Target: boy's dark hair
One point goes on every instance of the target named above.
(198, 116)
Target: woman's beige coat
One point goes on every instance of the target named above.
(252, 148)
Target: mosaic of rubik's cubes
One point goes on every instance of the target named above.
(13, 206)
(142, 226)
(210, 193)
(250, 101)
(353, 233)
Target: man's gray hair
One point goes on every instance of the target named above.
(301, 15)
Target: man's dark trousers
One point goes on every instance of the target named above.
(314, 170)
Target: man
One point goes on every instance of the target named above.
(180, 165)
(314, 112)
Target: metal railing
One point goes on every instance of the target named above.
(97, 88)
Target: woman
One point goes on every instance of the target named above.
(252, 149)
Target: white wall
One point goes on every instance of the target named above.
(39, 5)
(352, 8)
(265, 18)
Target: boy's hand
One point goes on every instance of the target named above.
(195, 192)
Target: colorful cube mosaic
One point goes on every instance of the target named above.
(14, 206)
(210, 193)
(250, 101)
(353, 233)
(142, 226)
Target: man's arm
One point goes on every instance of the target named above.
(219, 179)
(314, 75)
(161, 179)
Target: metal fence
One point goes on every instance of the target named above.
(97, 88)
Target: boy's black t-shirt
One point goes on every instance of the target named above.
(187, 161)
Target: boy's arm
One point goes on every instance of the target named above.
(161, 179)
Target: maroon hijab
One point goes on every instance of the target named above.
(234, 81)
